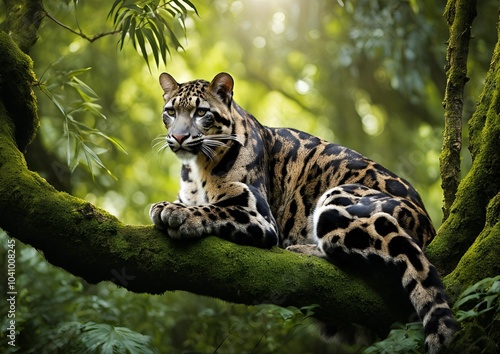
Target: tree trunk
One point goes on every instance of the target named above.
(468, 242)
(459, 15)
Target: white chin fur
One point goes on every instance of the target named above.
(185, 156)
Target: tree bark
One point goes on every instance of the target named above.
(459, 15)
(468, 243)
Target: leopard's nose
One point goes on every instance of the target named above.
(180, 137)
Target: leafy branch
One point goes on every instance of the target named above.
(151, 25)
(77, 135)
(480, 299)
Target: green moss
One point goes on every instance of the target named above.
(481, 259)
(493, 211)
(22, 21)
(465, 222)
(16, 81)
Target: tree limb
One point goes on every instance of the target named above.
(459, 15)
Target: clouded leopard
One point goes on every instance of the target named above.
(262, 186)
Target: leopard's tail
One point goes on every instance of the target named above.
(419, 278)
(431, 304)
(421, 281)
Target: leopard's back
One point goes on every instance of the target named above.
(302, 167)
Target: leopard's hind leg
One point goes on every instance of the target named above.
(350, 220)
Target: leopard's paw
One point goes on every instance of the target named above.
(177, 220)
(169, 216)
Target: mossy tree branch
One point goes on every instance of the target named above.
(459, 15)
(90, 243)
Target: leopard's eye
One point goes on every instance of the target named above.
(200, 112)
(170, 111)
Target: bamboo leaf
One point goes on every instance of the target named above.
(113, 7)
(140, 39)
(90, 156)
(132, 31)
(157, 27)
(112, 141)
(125, 29)
(191, 5)
(76, 72)
(148, 32)
(180, 6)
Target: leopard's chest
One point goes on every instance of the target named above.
(192, 186)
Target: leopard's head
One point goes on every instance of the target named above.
(197, 115)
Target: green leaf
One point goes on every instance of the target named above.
(180, 6)
(113, 7)
(463, 300)
(83, 89)
(74, 105)
(104, 339)
(125, 29)
(76, 72)
(157, 28)
(148, 32)
(58, 104)
(90, 156)
(478, 299)
(142, 45)
(191, 5)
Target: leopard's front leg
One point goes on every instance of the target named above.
(240, 215)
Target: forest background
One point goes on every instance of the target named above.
(368, 75)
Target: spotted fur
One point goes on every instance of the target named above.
(265, 187)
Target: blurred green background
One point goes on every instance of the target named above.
(361, 73)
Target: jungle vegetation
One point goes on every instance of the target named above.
(80, 106)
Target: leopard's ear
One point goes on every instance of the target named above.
(222, 86)
(168, 84)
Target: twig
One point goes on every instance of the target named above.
(80, 32)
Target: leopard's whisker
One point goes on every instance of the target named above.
(213, 143)
(159, 144)
(208, 152)
(235, 137)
